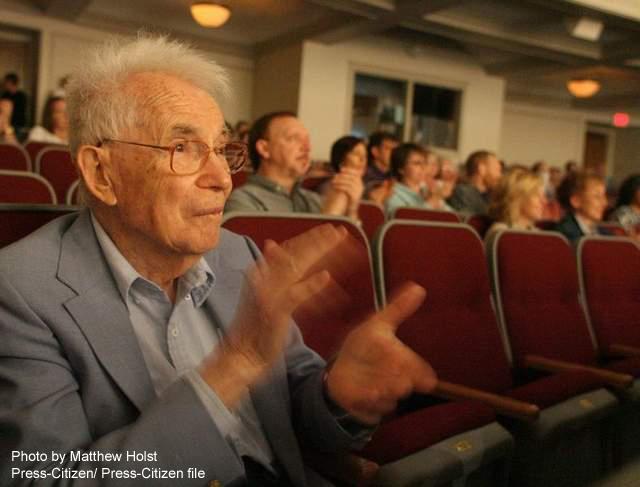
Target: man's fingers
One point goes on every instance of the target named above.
(423, 376)
(403, 304)
(312, 246)
(308, 288)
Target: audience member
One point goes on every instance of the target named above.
(571, 167)
(55, 123)
(436, 187)
(517, 202)
(279, 148)
(138, 325)
(7, 132)
(627, 211)
(483, 172)
(348, 160)
(19, 99)
(408, 167)
(552, 209)
(377, 178)
(583, 196)
(241, 131)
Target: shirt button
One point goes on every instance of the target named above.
(175, 332)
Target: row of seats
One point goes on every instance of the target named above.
(14, 157)
(528, 394)
(53, 180)
(529, 391)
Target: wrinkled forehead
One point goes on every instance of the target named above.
(163, 100)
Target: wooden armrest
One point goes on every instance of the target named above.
(615, 379)
(343, 467)
(623, 350)
(502, 404)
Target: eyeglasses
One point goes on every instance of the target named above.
(188, 156)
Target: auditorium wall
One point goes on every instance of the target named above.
(326, 88)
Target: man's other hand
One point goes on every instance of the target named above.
(374, 369)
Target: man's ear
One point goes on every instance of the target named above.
(94, 167)
(375, 152)
(262, 147)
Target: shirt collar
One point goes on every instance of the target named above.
(586, 228)
(197, 281)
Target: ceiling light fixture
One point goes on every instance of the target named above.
(583, 88)
(210, 14)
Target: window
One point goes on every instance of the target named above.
(378, 104)
(381, 104)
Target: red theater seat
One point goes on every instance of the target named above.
(14, 158)
(18, 220)
(457, 332)
(402, 441)
(25, 187)
(372, 217)
(610, 285)
(54, 164)
(423, 214)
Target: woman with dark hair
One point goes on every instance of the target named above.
(349, 162)
(408, 169)
(583, 196)
(55, 123)
(627, 211)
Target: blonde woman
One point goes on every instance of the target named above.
(517, 203)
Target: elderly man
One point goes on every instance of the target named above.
(280, 151)
(139, 338)
(484, 172)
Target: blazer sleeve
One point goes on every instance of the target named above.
(41, 410)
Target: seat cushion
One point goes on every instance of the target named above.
(401, 436)
(556, 388)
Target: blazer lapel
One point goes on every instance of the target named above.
(270, 398)
(99, 311)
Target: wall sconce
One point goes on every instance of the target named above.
(210, 14)
(583, 88)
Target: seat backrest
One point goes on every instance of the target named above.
(54, 164)
(13, 157)
(239, 178)
(34, 148)
(372, 217)
(25, 187)
(424, 214)
(609, 270)
(480, 223)
(548, 225)
(614, 229)
(72, 197)
(455, 329)
(325, 331)
(19, 220)
(535, 282)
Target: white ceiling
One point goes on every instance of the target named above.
(525, 41)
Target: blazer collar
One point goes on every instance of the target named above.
(100, 313)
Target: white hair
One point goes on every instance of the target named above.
(98, 106)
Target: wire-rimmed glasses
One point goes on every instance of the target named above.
(188, 156)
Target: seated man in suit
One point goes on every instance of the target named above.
(583, 196)
(139, 338)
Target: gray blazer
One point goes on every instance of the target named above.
(72, 376)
